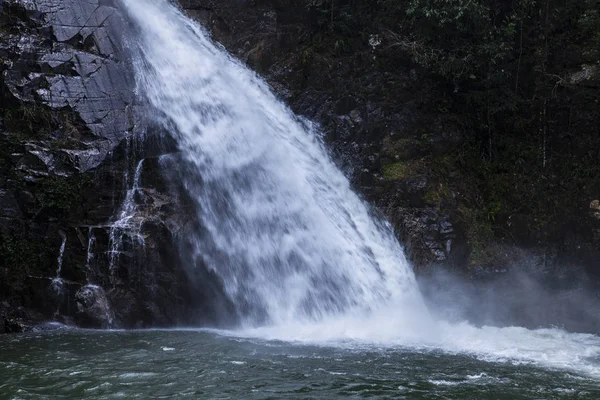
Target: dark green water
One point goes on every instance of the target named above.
(206, 365)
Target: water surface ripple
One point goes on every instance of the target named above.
(209, 365)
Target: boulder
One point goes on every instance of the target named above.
(93, 308)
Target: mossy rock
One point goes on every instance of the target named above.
(403, 169)
(396, 171)
(28, 120)
(436, 193)
(399, 148)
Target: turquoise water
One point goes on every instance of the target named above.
(74, 364)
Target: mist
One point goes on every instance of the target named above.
(520, 294)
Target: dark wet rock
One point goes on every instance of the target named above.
(18, 319)
(407, 192)
(74, 60)
(93, 308)
(595, 209)
(4, 308)
(9, 207)
(71, 139)
(427, 234)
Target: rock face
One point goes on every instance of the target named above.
(77, 165)
(73, 59)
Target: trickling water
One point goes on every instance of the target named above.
(57, 282)
(128, 223)
(296, 249)
(90, 254)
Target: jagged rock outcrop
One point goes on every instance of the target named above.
(66, 56)
(71, 147)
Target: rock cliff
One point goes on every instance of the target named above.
(87, 221)
(84, 202)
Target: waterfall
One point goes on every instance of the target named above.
(127, 223)
(298, 252)
(280, 224)
(57, 282)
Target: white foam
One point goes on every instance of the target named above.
(135, 375)
(551, 348)
(565, 390)
(282, 227)
(330, 372)
(287, 235)
(444, 383)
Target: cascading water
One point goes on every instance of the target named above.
(283, 229)
(296, 249)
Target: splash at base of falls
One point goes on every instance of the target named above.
(549, 348)
(297, 251)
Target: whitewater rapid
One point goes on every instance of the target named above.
(299, 253)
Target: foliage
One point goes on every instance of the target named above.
(343, 19)
(19, 258)
(532, 142)
(395, 171)
(588, 24)
(28, 119)
(59, 196)
(436, 194)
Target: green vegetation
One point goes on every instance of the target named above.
(395, 171)
(520, 79)
(58, 196)
(436, 193)
(28, 120)
(402, 169)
